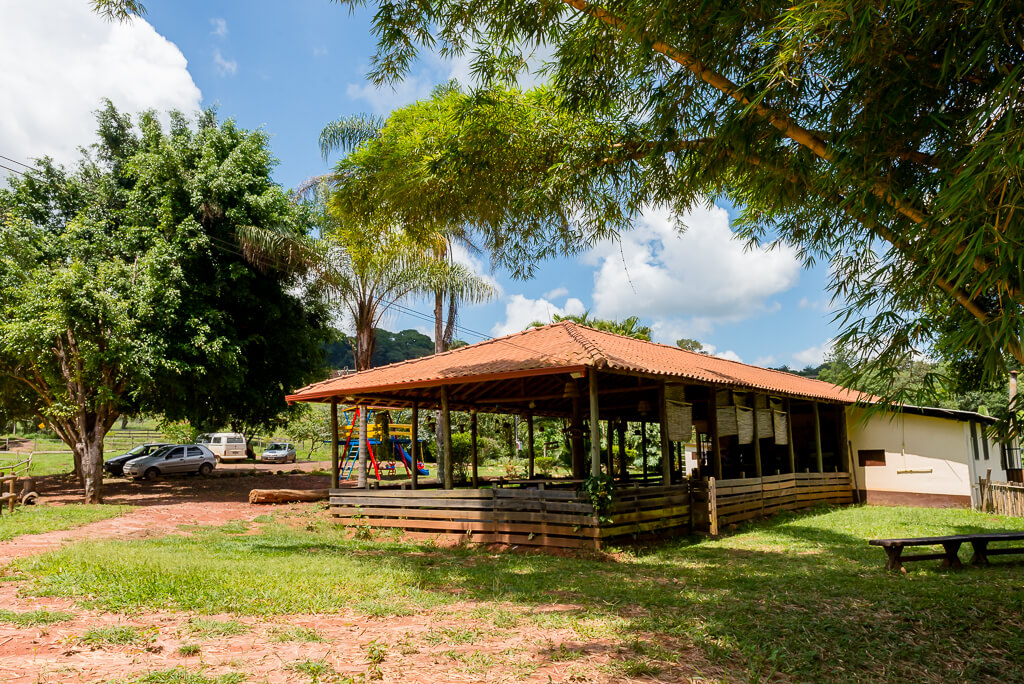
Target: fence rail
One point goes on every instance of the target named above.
(1002, 498)
(564, 518)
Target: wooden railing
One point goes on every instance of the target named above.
(529, 516)
(564, 518)
(1002, 498)
(727, 502)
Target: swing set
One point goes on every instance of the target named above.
(400, 434)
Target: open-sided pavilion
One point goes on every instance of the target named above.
(767, 440)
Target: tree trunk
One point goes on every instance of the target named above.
(363, 448)
(88, 451)
(439, 347)
(276, 496)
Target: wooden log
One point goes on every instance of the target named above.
(276, 496)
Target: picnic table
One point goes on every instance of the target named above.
(950, 548)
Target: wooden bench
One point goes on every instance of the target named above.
(950, 548)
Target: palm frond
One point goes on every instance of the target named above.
(348, 133)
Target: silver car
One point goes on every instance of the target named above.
(174, 459)
(278, 452)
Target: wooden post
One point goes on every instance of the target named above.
(716, 445)
(643, 446)
(579, 464)
(712, 507)
(446, 437)
(623, 469)
(414, 445)
(611, 448)
(757, 443)
(473, 450)
(595, 427)
(529, 442)
(817, 437)
(666, 444)
(335, 473)
(789, 436)
(845, 460)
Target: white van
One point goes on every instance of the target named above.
(226, 446)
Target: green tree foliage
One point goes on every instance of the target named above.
(690, 345)
(884, 138)
(123, 288)
(628, 327)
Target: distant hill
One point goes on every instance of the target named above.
(391, 347)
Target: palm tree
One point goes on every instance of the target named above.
(459, 285)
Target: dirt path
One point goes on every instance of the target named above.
(149, 521)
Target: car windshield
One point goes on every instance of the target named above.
(277, 447)
(162, 451)
(138, 451)
(203, 439)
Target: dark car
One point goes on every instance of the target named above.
(115, 465)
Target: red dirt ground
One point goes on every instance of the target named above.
(418, 647)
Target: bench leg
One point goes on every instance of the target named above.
(952, 559)
(980, 556)
(894, 562)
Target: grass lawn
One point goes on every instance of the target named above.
(37, 519)
(798, 597)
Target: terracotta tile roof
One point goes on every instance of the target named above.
(566, 347)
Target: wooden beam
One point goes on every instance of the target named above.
(473, 450)
(335, 472)
(595, 427)
(531, 454)
(446, 437)
(757, 442)
(579, 466)
(844, 452)
(716, 444)
(414, 445)
(611, 448)
(623, 468)
(817, 437)
(666, 444)
(789, 435)
(643, 446)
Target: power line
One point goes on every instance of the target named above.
(15, 161)
(20, 173)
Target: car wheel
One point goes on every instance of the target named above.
(205, 469)
(152, 474)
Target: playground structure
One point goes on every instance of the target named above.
(399, 437)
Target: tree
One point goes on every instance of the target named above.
(629, 327)
(124, 289)
(884, 138)
(690, 345)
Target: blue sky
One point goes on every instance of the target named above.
(289, 68)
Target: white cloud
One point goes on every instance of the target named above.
(520, 311)
(220, 27)
(557, 293)
(686, 283)
(765, 361)
(730, 354)
(60, 59)
(813, 356)
(225, 67)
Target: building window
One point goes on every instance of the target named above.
(974, 440)
(871, 457)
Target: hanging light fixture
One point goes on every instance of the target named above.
(644, 407)
(571, 391)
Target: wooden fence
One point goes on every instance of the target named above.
(726, 502)
(564, 518)
(1002, 498)
(560, 518)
